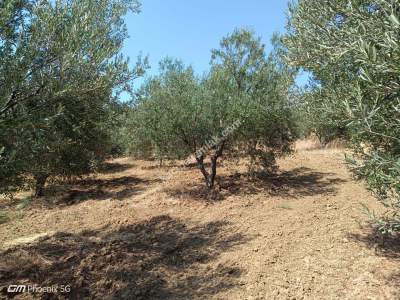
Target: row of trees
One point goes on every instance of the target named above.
(60, 72)
(178, 113)
(352, 49)
(60, 75)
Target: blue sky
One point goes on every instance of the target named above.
(190, 29)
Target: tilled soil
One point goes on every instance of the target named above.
(136, 231)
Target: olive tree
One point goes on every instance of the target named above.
(159, 124)
(260, 86)
(244, 100)
(352, 49)
(60, 69)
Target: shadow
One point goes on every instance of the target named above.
(194, 165)
(384, 246)
(110, 182)
(119, 188)
(80, 190)
(173, 164)
(112, 167)
(299, 182)
(158, 167)
(161, 258)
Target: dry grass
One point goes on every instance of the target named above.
(312, 143)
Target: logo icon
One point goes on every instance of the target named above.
(14, 288)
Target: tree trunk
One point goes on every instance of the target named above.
(213, 172)
(200, 164)
(210, 177)
(39, 186)
(252, 149)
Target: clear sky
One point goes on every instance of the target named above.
(189, 29)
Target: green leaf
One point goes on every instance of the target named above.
(394, 19)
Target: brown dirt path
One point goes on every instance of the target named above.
(127, 235)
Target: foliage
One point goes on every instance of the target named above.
(261, 85)
(314, 116)
(59, 69)
(353, 50)
(179, 114)
(166, 121)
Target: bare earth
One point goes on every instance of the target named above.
(127, 234)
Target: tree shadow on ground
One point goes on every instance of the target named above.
(114, 167)
(299, 182)
(117, 188)
(161, 258)
(174, 165)
(384, 246)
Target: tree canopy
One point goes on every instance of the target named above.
(62, 71)
(179, 114)
(60, 68)
(352, 49)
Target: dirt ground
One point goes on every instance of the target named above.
(129, 233)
